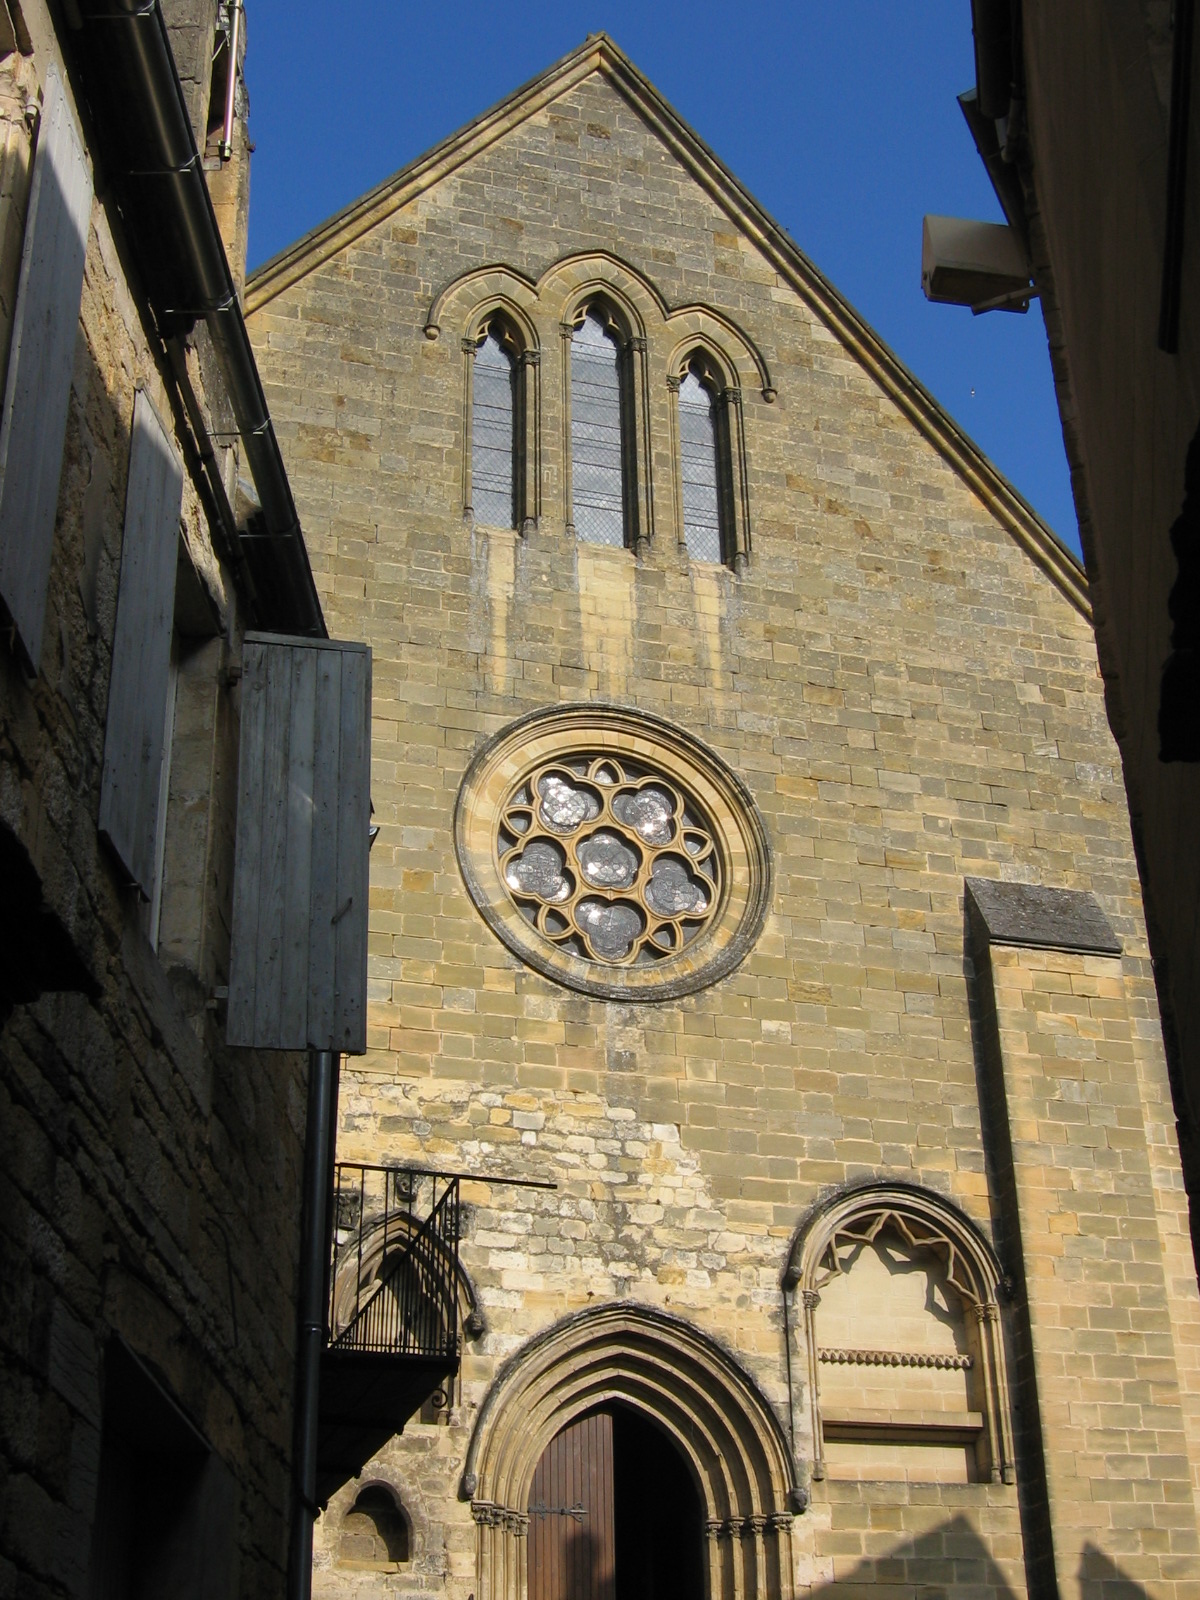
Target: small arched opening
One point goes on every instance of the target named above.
(374, 1535)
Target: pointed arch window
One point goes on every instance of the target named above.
(710, 453)
(494, 432)
(599, 454)
(700, 468)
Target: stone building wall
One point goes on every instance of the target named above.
(149, 1177)
(910, 697)
(1095, 163)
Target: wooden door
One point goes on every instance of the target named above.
(572, 1536)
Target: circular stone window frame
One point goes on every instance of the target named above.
(560, 733)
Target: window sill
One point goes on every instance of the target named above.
(940, 1427)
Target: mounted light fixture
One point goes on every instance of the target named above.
(976, 264)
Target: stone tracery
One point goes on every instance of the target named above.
(953, 1393)
(653, 858)
(613, 852)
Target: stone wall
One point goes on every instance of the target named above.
(1096, 164)
(149, 1177)
(909, 698)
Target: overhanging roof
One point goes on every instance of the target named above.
(599, 54)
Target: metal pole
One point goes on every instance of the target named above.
(235, 20)
(314, 1264)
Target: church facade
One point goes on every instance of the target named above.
(754, 880)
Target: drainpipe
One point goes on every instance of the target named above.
(225, 149)
(312, 1302)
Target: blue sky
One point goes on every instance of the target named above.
(840, 119)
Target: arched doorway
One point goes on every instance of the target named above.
(611, 1361)
(614, 1513)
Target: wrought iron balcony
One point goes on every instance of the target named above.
(392, 1322)
(394, 1276)
(392, 1317)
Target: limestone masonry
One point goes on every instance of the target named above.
(892, 1129)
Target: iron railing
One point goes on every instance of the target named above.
(394, 1271)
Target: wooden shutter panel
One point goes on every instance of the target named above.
(40, 365)
(137, 691)
(298, 962)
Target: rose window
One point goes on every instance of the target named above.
(609, 859)
(613, 852)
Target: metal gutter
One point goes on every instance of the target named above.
(126, 68)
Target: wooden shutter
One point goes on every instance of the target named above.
(298, 963)
(135, 731)
(572, 1539)
(40, 365)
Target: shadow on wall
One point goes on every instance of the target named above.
(952, 1560)
(586, 1573)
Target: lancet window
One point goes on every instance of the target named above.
(704, 469)
(494, 438)
(600, 468)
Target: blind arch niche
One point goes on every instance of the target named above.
(944, 1390)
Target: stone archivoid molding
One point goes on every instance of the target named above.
(926, 1223)
(692, 1388)
(575, 279)
(599, 54)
